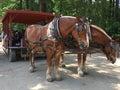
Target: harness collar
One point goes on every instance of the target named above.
(53, 33)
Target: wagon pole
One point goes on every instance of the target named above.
(10, 30)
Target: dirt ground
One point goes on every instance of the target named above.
(102, 75)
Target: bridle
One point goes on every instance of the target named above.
(79, 27)
(112, 47)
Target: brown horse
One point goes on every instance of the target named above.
(98, 36)
(50, 39)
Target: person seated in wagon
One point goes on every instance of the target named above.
(16, 39)
(4, 42)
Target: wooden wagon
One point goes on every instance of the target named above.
(26, 18)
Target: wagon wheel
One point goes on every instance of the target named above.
(12, 55)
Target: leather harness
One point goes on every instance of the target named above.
(55, 36)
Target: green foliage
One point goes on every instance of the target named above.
(115, 29)
(101, 12)
(98, 11)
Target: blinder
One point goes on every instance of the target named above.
(113, 47)
(79, 28)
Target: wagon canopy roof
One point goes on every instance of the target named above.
(25, 16)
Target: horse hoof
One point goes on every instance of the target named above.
(86, 73)
(32, 70)
(50, 79)
(63, 65)
(80, 74)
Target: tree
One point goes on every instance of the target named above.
(26, 4)
(104, 13)
(20, 4)
(116, 9)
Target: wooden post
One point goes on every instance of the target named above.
(10, 31)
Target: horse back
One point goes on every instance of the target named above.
(32, 35)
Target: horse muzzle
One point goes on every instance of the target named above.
(112, 60)
(83, 45)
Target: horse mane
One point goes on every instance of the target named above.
(77, 18)
(68, 17)
(100, 30)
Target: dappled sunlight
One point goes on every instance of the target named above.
(117, 86)
(71, 70)
(65, 70)
(116, 70)
(71, 65)
(102, 57)
(75, 76)
(70, 73)
(105, 67)
(117, 62)
(37, 87)
(102, 71)
(1, 75)
(76, 59)
(91, 65)
(96, 62)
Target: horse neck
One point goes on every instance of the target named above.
(99, 36)
(66, 26)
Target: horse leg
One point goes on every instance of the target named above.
(49, 64)
(80, 65)
(62, 64)
(84, 64)
(32, 63)
(56, 67)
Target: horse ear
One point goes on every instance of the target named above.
(83, 19)
(116, 40)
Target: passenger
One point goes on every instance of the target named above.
(16, 39)
(4, 42)
(4, 39)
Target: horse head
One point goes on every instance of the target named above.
(80, 34)
(72, 26)
(109, 46)
(111, 51)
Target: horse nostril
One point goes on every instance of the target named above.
(113, 60)
(83, 45)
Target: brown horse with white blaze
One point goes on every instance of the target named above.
(98, 36)
(49, 38)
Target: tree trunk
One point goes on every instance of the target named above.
(90, 1)
(20, 4)
(26, 4)
(113, 8)
(116, 9)
(43, 5)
